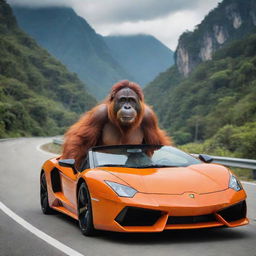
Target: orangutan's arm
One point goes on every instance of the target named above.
(84, 134)
(152, 133)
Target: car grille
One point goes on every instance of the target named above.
(133, 216)
(234, 212)
(172, 220)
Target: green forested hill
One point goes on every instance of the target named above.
(74, 42)
(215, 104)
(38, 96)
(157, 91)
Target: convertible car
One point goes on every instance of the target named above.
(142, 188)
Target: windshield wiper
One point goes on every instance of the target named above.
(154, 166)
(138, 166)
(110, 165)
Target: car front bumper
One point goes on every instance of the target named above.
(158, 212)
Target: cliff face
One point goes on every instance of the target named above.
(232, 19)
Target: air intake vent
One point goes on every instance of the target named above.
(55, 177)
(132, 216)
(234, 212)
(172, 220)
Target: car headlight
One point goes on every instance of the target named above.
(121, 190)
(234, 183)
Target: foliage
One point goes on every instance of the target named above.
(228, 141)
(157, 90)
(38, 96)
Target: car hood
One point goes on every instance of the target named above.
(200, 179)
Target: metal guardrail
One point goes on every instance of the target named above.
(229, 161)
(58, 141)
(233, 162)
(236, 162)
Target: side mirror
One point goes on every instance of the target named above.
(205, 158)
(68, 163)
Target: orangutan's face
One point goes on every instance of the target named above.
(126, 106)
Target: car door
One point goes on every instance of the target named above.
(68, 183)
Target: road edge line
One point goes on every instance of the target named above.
(37, 232)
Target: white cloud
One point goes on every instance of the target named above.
(132, 10)
(164, 19)
(166, 29)
(168, 21)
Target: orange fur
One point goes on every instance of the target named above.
(87, 132)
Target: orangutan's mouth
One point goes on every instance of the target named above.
(127, 119)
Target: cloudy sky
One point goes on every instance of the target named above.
(164, 19)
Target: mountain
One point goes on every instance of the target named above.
(38, 95)
(231, 20)
(215, 102)
(143, 56)
(74, 42)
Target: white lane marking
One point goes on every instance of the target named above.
(38, 148)
(48, 239)
(249, 183)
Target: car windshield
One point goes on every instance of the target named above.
(141, 156)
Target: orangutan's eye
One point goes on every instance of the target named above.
(132, 101)
(122, 100)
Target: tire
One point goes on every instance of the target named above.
(46, 209)
(84, 210)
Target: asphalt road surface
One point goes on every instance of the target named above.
(20, 162)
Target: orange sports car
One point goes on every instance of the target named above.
(142, 188)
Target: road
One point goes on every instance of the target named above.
(19, 186)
